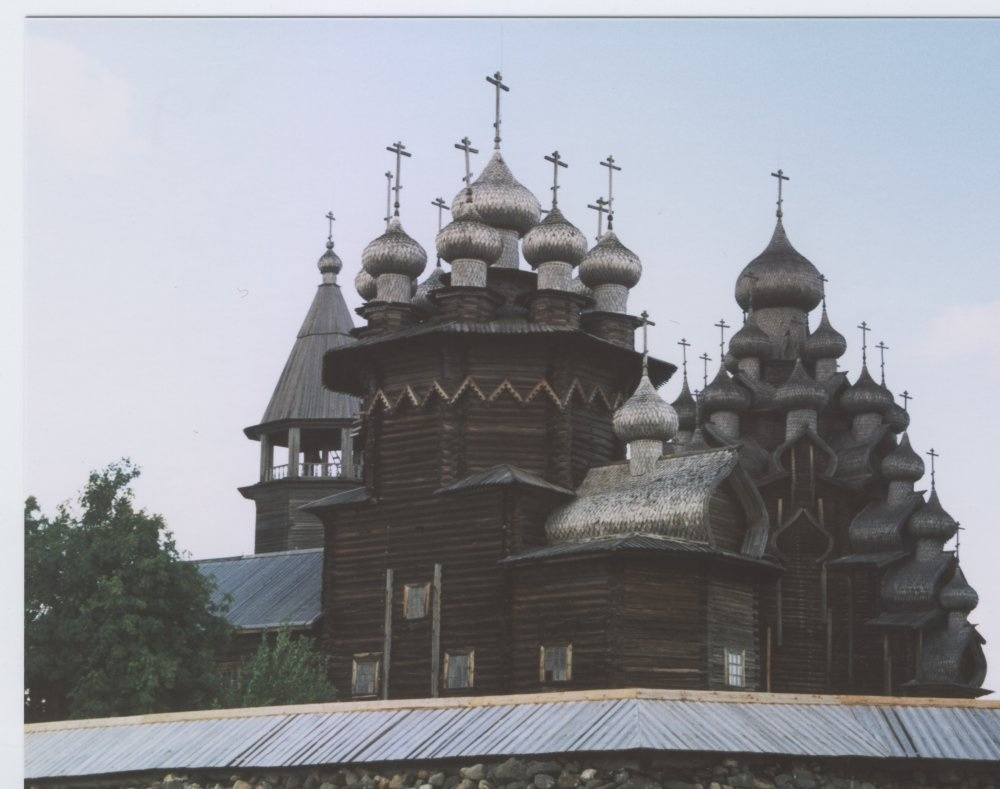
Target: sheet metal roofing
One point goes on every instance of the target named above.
(500, 726)
(268, 589)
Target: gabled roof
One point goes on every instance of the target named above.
(299, 394)
(504, 474)
(268, 590)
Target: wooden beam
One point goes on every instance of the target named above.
(346, 453)
(767, 680)
(294, 442)
(436, 631)
(266, 457)
(387, 634)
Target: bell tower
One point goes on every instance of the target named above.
(306, 444)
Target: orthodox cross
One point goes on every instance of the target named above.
(388, 201)
(400, 150)
(684, 354)
(933, 455)
(610, 164)
(466, 145)
(882, 348)
(780, 175)
(907, 397)
(329, 235)
(706, 359)
(864, 341)
(557, 162)
(441, 206)
(601, 211)
(645, 347)
(822, 283)
(722, 326)
(497, 80)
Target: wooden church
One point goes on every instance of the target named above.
(506, 505)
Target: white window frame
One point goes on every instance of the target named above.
(541, 662)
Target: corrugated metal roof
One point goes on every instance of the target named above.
(268, 589)
(587, 721)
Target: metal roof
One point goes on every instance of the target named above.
(498, 726)
(268, 589)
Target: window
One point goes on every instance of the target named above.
(459, 669)
(555, 663)
(365, 674)
(416, 600)
(735, 667)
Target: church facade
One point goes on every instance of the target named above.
(506, 504)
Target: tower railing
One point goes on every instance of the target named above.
(329, 470)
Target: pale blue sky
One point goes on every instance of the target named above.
(172, 165)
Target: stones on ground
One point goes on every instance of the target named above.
(741, 781)
(510, 770)
(544, 781)
(452, 781)
(588, 775)
(238, 784)
(621, 777)
(475, 773)
(531, 769)
(484, 784)
(804, 779)
(436, 780)
(678, 785)
(396, 782)
(567, 780)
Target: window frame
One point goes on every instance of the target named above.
(407, 589)
(735, 657)
(541, 662)
(470, 670)
(366, 657)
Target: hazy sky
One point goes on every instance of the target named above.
(177, 173)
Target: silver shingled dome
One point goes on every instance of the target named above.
(330, 262)
(751, 341)
(825, 342)
(723, 394)
(645, 416)
(800, 390)
(468, 237)
(902, 464)
(610, 263)
(957, 595)
(686, 408)
(554, 239)
(394, 252)
(779, 277)
(931, 521)
(501, 200)
(433, 282)
(866, 396)
(364, 283)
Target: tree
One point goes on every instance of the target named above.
(115, 622)
(289, 671)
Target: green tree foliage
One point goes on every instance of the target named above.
(283, 670)
(115, 622)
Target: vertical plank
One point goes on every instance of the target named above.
(346, 453)
(387, 637)
(266, 458)
(767, 685)
(436, 631)
(294, 435)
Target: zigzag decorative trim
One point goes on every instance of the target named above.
(597, 395)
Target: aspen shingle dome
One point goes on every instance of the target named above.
(364, 284)
(931, 521)
(394, 252)
(501, 200)
(433, 282)
(825, 342)
(686, 408)
(902, 464)
(467, 236)
(554, 239)
(866, 396)
(957, 595)
(800, 390)
(897, 418)
(723, 394)
(779, 277)
(610, 263)
(750, 341)
(330, 262)
(645, 415)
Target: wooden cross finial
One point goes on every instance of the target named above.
(601, 211)
(557, 162)
(466, 145)
(684, 354)
(822, 283)
(780, 175)
(864, 341)
(933, 455)
(722, 326)
(907, 397)
(441, 206)
(610, 164)
(706, 359)
(400, 150)
(388, 198)
(645, 347)
(329, 234)
(497, 80)
(882, 348)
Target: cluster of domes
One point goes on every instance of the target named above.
(902, 464)
(645, 416)
(502, 201)
(800, 391)
(779, 277)
(467, 236)
(554, 239)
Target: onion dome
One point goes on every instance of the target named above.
(503, 203)
(897, 418)
(432, 283)
(866, 396)
(467, 236)
(779, 277)
(750, 341)
(723, 394)
(931, 521)
(330, 262)
(364, 283)
(800, 391)
(610, 263)
(645, 415)
(825, 342)
(686, 408)
(957, 595)
(902, 464)
(394, 252)
(554, 239)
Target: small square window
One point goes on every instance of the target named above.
(736, 668)
(459, 669)
(416, 600)
(555, 663)
(365, 674)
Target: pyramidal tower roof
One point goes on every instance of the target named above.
(299, 394)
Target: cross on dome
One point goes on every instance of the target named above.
(557, 162)
(706, 359)
(684, 355)
(601, 211)
(466, 145)
(864, 341)
(933, 455)
(441, 206)
(400, 150)
(645, 346)
(388, 198)
(610, 164)
(882, 348)
(722, 326)
(329, 216)
(497, 80)
(907, 397)
(780, 175)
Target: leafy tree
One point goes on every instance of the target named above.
(287, 671)
(115, 622)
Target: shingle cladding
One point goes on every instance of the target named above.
(554, 723)
(270, 589)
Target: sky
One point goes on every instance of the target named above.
(177, 173)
